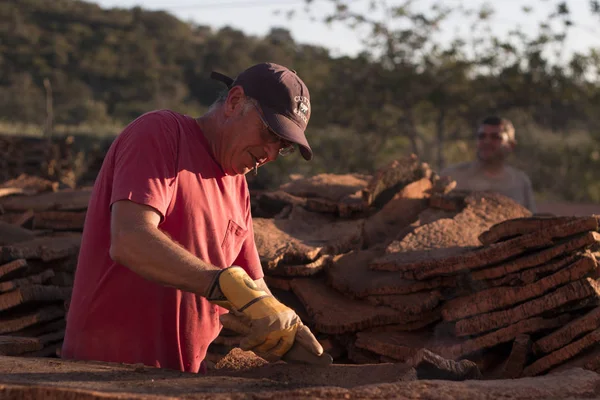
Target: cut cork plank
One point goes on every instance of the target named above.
(350, 274)
(531, 275)
(568, 333)
(309, 269)
(66, 200)
(402, 210)
(14, 345)
(441, 264)
(52, 337)
(21, 322)
(401, 346)
(502, 297)
(520, 226)
(31, 184)
(10, 234)
(13, 268)
(44, 327)
(335, 313)
(565, 246)
(22, 218)
(51, 350)
(563, 354)
(29, 280)
(514, 365)
(46, 248)
(504, 335)
(294, 242)
(414, 303)
(571, 292)
(33, 294)
(59, 220)
(433, 366)
(425, 319)
(482, 210)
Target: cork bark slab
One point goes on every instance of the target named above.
(31, 184)
(514, 365)
(13, 268)
(505, 335)
(14, 345)
(566, 353)
(64, 200)
(433, 366)
(571, 292)
(451, 201)
(298, 270)
(10, 234)
(59, 220)
(46, 248)
(538, 258)
(301, 242)
(392, 178)
(29, 280)
(502, 297)
(334, 187)
(481, 211)
(565, 335)
(334, 313)
(438, 265)
(350, 274)
(33, 294)
(402, 210)
(45, 326)
(269, 204)
(531, 275)
(51, 350)
(401, 346)
(278, 282)
(414, 303)
(521, 226)
(20, 322)
(425, 320)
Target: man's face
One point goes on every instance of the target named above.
(249, 142)
(493, 145)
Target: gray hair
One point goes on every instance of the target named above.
(249, 103)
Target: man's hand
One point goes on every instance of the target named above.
(273, 326)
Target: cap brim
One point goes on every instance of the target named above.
(288, 130)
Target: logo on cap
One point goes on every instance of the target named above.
(303, 108)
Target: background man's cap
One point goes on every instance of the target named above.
(283, 98)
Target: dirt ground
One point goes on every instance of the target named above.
(28, 378)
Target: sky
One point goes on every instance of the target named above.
(257, 17)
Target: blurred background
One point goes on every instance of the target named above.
(387, 79)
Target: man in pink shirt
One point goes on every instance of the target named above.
(168, 239)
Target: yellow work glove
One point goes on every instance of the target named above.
(273, 326)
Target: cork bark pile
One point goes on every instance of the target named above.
(393, 267)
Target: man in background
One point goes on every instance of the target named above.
(490, 171)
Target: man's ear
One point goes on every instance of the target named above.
(235, 100)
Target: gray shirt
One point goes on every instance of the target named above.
(512, 182)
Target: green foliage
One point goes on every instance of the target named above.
(409, 92)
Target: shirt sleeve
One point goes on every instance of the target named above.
(248, 258)
(145, 162)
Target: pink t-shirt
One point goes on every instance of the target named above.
(163, 160)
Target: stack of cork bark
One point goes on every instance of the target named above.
(40, 233)
(60, 159)
(384, 266)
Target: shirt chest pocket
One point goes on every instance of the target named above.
(233, 241)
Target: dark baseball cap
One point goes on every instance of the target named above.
(282, 96)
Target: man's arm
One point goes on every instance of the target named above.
(138, 244)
